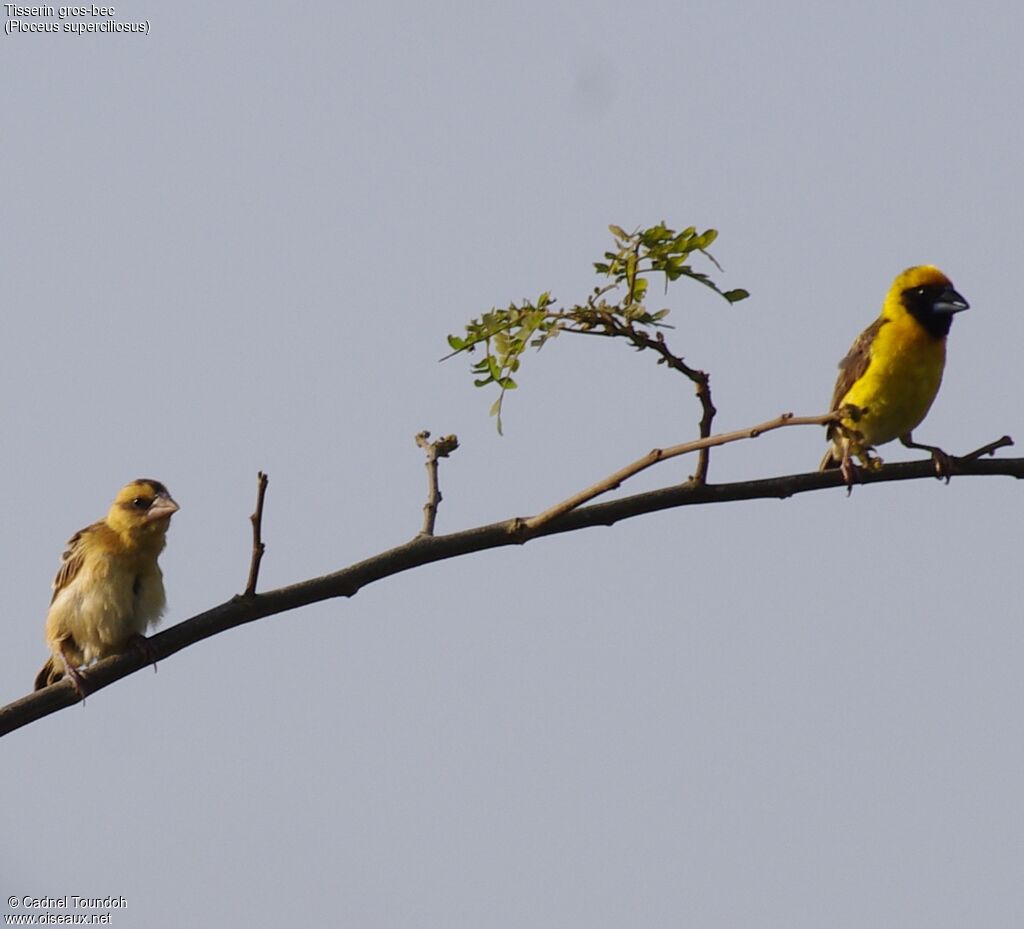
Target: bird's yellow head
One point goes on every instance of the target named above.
(928, 295)
(143, 506)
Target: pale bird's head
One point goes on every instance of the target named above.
(144, 505)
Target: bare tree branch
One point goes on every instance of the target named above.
(424, 550)
(258, 548)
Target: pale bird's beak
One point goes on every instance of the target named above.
(949, 301)
(163, 508)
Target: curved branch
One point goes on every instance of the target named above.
(424, 550)
(701, 380)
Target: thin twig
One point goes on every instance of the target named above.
(663, 454)
(257, 536)
(441, 448)
(989, 449)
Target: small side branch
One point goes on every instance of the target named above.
(989, 449)
(440, 448)
(257, 536)
(663, 454)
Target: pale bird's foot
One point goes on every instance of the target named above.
(140, 645)
(75, 676)
(71, 672)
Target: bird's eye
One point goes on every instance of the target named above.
(142, 503)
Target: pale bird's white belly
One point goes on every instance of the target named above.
(102, 616)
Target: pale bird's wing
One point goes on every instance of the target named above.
(71, 561)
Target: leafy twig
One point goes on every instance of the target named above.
(504, 335)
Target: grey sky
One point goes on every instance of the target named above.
(238, 243)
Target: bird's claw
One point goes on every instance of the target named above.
(71, 672)
(77, 681)
(943, 464)
(141, 646)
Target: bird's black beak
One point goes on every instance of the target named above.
(949, 301)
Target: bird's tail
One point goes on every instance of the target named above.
(49, 674)
(830, 460)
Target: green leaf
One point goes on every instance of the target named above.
(734, 296)
(702, 241)
(631, 274)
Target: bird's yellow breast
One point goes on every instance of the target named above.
(900, 383)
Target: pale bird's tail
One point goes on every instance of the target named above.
(49, 674)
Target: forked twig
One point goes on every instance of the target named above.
(440, 448)
(257, 536)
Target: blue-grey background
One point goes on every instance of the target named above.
(239, 242)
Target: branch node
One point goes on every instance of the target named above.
(520, 528)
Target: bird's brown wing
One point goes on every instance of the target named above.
(71, 561)
(853, 366)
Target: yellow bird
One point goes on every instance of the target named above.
(893, 371)
(109, 588)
